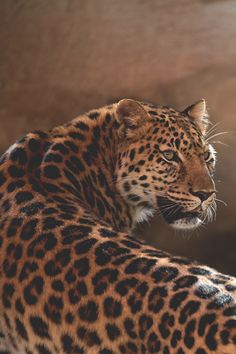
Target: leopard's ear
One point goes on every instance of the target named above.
(198, 113)
(132, 117)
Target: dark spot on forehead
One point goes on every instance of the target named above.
(177, 143)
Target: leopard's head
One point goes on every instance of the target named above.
(166, 162)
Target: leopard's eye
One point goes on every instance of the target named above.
(207, 155)
(169, 155)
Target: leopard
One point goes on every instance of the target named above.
(74, 275)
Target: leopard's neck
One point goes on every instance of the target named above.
(80, 160)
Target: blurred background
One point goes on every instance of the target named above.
(60, 58)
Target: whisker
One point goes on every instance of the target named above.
(166, 208)
(210, 217)
(221, 201)
(205, 217)
(213, 211)
(213, 128)
(217, 134)
(171, 212)
(220, 142)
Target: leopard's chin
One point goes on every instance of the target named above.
(176, 217)
(187, 223)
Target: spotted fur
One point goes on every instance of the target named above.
(72, 278)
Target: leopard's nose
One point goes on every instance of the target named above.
(202, 195)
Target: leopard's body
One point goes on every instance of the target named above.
(72, 278)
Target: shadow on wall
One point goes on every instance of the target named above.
(61, 58)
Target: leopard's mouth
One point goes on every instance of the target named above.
(176, 217)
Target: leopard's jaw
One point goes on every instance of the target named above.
(186, 223)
